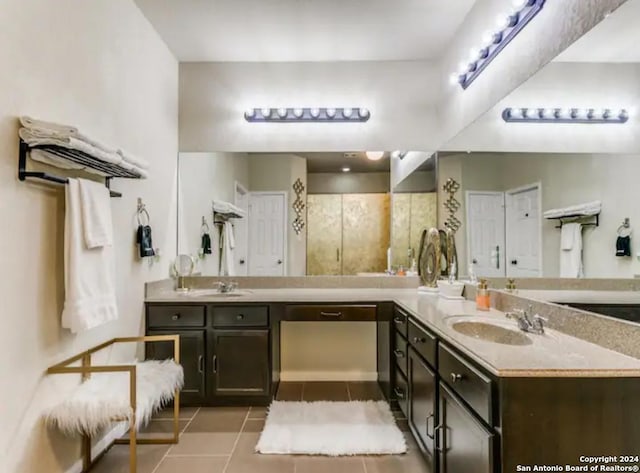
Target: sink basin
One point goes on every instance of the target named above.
(215, 293)
(491, 333)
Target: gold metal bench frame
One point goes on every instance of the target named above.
(86, 370)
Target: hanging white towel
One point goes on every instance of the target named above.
(90, 296)
(571, 259)
(228, 244)
(97, 223)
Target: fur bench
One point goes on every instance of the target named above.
(129, 393)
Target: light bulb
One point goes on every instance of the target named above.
(515, 113)
(463, 67)
(282, 112)
(487, 38)
(454, 78)
(331, 112)
(374, 155)
(250, 113)
(346, 169)
(347, 112)
(519, 4)
(266, 112)
(565, 113)
(503, 22)
(298, 112)
(364, 112)
(315, 112)
(549, 113)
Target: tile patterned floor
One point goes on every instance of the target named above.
(222, 440)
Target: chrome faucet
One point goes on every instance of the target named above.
(227, 287)
(527, 322)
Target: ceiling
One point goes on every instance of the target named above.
(334, 162)
(305, 30)
(614, 39)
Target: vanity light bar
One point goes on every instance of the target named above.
(296, 115)
(564, 115)
(493, 42)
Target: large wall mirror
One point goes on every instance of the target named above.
(548, 175)
(302, 213)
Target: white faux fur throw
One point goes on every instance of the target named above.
(331, 428)
(105, 396)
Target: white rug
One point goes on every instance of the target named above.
(331, 428)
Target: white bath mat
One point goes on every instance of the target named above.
(331, 428)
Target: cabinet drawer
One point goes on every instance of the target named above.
(401, 393)
(423, 342)
(240, 316)
(400, 353)
(400, 320)
(470, 384)
(175, 316)
(335, 312)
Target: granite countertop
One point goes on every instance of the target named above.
(581, 297)
(554, 354)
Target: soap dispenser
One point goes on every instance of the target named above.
(483, 301)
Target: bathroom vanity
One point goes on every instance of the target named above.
(477, 398)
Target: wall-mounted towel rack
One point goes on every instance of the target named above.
(108, 170)
(578, 219)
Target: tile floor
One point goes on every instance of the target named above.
(222, 440)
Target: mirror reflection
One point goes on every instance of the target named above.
(304, 213)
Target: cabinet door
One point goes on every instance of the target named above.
(422, 398)
(192, 357)
(465, 444)
(241, 363)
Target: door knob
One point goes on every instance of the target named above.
(241, 261)
(279, 261)
(474, 261)
(514, 261)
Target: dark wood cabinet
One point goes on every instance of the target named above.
(464, 443)
(240, 363)
(423, 395)
(192, 359)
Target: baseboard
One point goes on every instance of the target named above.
(118, 431)
(328, 376)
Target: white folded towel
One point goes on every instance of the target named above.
(571, 259)
(228, 244)
(133, 159)
(220, 206)
(90, 296)
(36, 137)
(96, 214)
(65, 130)
(590, 208)
(143, 173)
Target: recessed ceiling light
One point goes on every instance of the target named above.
(374, 155)
(346, 169)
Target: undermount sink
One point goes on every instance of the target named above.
(216, 293)
(491, 333)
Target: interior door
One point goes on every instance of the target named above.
(486, 233)
(241, 227)
(422, 397)
(324, 234)
(523, 232)
(267, 217)
(465, 444)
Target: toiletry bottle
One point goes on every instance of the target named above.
(483, 301)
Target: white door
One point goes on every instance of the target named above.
(485, 233)
(241, 228)
(267, 223)
(523, 230)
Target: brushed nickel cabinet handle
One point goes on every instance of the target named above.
(201, 364)
(175, 316)
(239, 316)
(331, 314)
(429, 418)
(419, 340)
(439, 447)
(215, 363)
(398, 353)
(455, 377)
(399, 393)
(398, 320)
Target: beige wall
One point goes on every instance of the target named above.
(278, 172)
(348, 182)
(203, 178)
(97, 64)
(566, 179)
